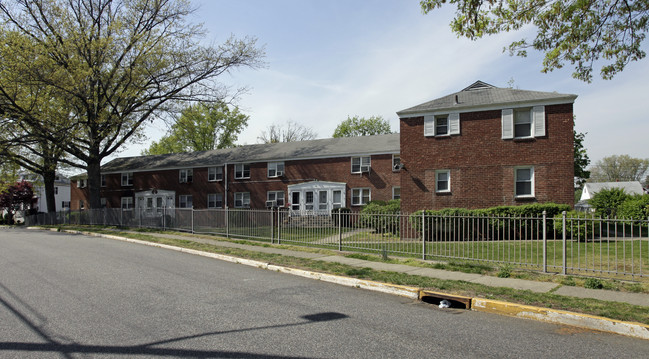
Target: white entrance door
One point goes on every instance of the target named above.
(316, 198)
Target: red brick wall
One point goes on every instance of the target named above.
(482, 163)
(380, 180)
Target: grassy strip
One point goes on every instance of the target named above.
(613, 310)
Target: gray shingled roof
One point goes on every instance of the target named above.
(630, 187)
(481, 94)
(325, 148)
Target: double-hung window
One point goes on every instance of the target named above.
(360, 196)
(242, 171)
(277, 196)
(442, 125)
(275, 169)
(524, 122)
(127, 203)
(215, 200)
(214, 174)
(524, 179)
(127, 179)
(242, 200)
(186, 175)
(396, 163)
(361, 164)
(396, 192)
(185, 201)
(442, 181)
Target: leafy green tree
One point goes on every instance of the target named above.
(567, 31)
(581, 160)
(116, 63)
(291, 132)
(619, 168)
(201, 127)
(607, 201)
(360, 126)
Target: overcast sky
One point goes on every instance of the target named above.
(327, 60)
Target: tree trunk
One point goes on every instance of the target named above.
(94, 182)
(49, 177)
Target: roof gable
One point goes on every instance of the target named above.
(480, 96)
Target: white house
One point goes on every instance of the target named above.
(61, 191)
(632, 187)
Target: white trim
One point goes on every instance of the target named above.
(532, 180)
(448, 180)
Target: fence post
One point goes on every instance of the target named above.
(192, 219)
(545, 244)
(340, 230)
(164, 218)
(279, 225)
(227, 222)
(423, 235)
(565, 255)
(272, 223)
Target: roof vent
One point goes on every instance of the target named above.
(457, 101)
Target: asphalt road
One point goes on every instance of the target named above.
(73, 296)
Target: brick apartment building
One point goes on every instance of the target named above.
(480, 147)
(486, 146)
(305, 176)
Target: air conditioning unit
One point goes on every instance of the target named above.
(271, 204)
(365, 169)
(279, 173)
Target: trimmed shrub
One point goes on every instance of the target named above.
(607, 201)
(579, 225)
(382, 216)
(635, 207)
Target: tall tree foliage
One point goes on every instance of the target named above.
(16, 195)
(581, 159)
(116, 63)
(201, 127)
(290, 132)
(619, 168)
(577, 32)
(361, 126)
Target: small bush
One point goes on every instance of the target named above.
(607, 201)
(382, 216)
(579, 225)
(593, 283)
(505, 271)
(634, 207)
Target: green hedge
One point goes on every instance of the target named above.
(382, 216)
(502, 222)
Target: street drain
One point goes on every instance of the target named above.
(453, 301)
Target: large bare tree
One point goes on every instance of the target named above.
(116, 63)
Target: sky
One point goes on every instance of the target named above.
(327, 60)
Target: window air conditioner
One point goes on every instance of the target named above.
(279, 173)
(271, 204)
(365, 169)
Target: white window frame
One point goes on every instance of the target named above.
(448, 181)
(240, 170)
(242, 200)
(213, 199)
(452, 124)
(358, 194)
(360, 161)
(537, 122)
(127, 203)
(186, 175)
(274, 169)
(396, 162)
(185, 201)
(215, 174)
(277, 196)
(81, 183)
(396, 195)
(127, 178)
(531, 181)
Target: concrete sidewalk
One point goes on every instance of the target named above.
(519, 284)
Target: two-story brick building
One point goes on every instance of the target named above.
(486, 146)
(480, 147)
(305, 176)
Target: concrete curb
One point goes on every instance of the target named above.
(636, 330)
